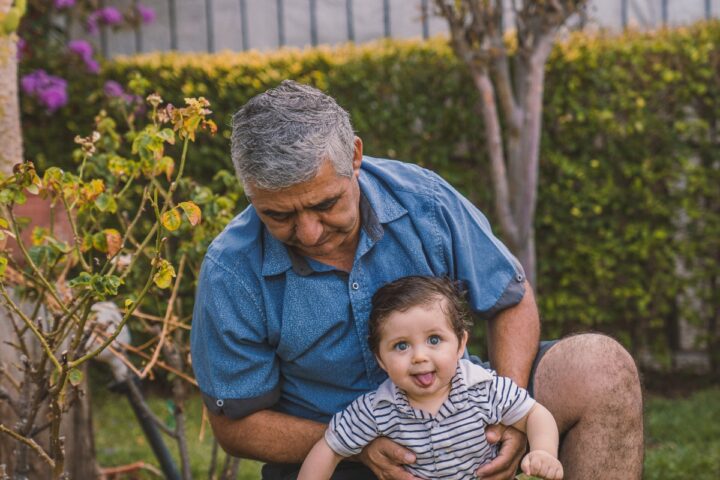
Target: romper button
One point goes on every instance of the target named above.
(355, 285)
(219, 403)
(519, 278)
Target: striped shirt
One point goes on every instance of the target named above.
(449, 445)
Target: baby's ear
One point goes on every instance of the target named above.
(463, 344)
(380, 362)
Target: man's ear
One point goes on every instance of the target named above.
(357, 155)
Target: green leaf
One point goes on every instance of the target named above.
(194, 215)
(3, 266)
(105, 202)
(75, 376)
(171, 219)
(82, 280)
(202, 195)
(167, 135)
(99, 242)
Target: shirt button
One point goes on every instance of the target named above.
(355, 285)
(220, 403)
(519, 278)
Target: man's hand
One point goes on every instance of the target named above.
(386, 459)
(512, 447)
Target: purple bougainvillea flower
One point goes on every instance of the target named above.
(60, 4)
(110, 16)
(91, 23)
(85, 51)
(113, 89)
(54, 97)
(147, 14)
(92, 65)
(81, 48)
(49, 89)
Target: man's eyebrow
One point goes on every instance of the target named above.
(321, 203)
(271, 212)
(327, 201)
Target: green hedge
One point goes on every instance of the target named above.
(629, 163)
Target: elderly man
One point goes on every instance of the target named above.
(280, 322)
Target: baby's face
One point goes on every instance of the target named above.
(419, 351)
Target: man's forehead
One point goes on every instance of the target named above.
(301, 195)
(327, 184)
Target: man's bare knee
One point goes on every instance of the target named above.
(588, 372)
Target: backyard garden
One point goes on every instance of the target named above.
(118, 177)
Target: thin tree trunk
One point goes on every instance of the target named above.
(10, 137)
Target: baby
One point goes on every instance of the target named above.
(435, 403)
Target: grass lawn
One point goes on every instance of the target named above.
(682, 437)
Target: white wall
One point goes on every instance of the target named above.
(405, 15)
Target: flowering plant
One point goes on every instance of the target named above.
(135, 232)
(53, 48)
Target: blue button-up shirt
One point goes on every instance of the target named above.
(272, 329)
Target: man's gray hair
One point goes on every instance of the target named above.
(281, 137)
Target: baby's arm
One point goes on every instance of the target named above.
(542, 433)
(320, 462)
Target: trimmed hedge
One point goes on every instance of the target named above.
(628, 221)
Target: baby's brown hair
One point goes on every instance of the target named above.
(416, 290)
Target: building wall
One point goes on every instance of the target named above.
(213, 25)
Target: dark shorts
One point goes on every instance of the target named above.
(357, 471)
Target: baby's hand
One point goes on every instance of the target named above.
(540, 463)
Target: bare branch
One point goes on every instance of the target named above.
(29, 442)
(29, 323)
(166, 320)
(5, 395)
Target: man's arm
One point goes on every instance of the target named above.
(513, 337)
(267, 436)
(271, 436)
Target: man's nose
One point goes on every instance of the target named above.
(308, 229)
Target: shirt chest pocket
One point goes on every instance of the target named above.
(315, 320)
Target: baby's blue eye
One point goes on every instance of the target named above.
(401, 346)
(434, 340)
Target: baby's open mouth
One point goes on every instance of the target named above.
(424, 379)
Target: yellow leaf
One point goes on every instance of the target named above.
(171, 219)
(194, 215)
(164, 275)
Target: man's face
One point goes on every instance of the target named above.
(319, 218)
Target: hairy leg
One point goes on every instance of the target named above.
(590, 384)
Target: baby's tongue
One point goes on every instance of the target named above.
(425, 379)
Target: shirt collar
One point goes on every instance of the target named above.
(377, 206)
(467, 375)
(381, 201)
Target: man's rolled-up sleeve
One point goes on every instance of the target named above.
(235, 366)
(494, 277)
